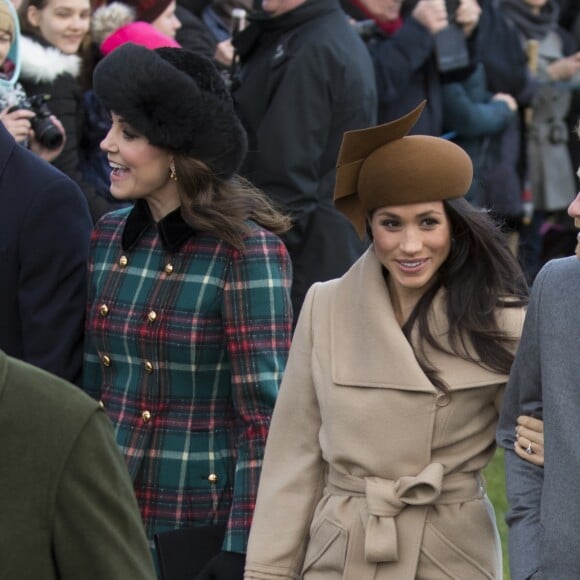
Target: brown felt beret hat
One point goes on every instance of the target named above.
(382, 166)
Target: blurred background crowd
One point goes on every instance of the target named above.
(501, 79)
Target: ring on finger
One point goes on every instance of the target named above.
(529, 449)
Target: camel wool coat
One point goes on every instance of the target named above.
(370, 472)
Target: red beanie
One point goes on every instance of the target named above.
(148, 10)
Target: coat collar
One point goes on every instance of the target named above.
(172, 229)
(369, 348)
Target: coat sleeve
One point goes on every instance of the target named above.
(472, 117)
(52, 282)
(257, 316)
(524, 480)
(92, 379)
(398, 58)
(97, 531)
(293, 474)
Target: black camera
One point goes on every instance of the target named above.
(450, 43)
(46, 132)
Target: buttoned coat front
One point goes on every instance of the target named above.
(370, 472)
(186, 347)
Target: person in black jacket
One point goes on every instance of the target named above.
(305, 79)
(45, 227)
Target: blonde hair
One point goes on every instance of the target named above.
(7, 19)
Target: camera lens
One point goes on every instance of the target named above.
(47, 133)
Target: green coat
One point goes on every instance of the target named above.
(66, 502)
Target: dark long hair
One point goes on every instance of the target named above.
(223, 208)
(479, 275)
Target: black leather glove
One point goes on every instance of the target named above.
(224, 566)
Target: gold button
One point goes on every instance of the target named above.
(101, 404)
(212, 478)
(148, 366)
(104, 310)
(123, 261)
(146, 416)
(152, 316)
(169, 268)
(442, 400)
(106, 360)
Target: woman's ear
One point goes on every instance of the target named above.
(33, 15)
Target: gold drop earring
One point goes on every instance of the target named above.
(172, 174)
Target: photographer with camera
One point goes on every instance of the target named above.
(405, 47)
(53, 62)
(29, 121)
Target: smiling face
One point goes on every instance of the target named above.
(62, 23)
(139, 169)
(167, 22)
(412, 242)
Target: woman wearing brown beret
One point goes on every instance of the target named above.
(389, 404)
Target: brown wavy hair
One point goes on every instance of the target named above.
(224, 209)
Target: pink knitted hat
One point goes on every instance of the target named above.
(141, 33)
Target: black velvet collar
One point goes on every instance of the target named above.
(173, 231)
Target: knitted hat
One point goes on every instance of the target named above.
(382, 166)
(148, 10)
(177, 99)
(141, 33)
(6, 19)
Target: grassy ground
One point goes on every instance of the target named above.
(496, 492)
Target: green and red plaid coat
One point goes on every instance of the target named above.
(187, 339)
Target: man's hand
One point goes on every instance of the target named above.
(565, 68)
(432, 14)
(224, 52)
(507, 99)
(467, 15)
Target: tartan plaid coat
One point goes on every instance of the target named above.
(186, 343)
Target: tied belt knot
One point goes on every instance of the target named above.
(386, 498)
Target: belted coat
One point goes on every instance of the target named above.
(370, 472)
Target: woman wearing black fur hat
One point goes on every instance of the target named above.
(189, 317)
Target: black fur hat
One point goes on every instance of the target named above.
(177, 99)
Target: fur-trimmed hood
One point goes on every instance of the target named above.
(41, 64)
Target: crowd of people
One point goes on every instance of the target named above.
(286, 250)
